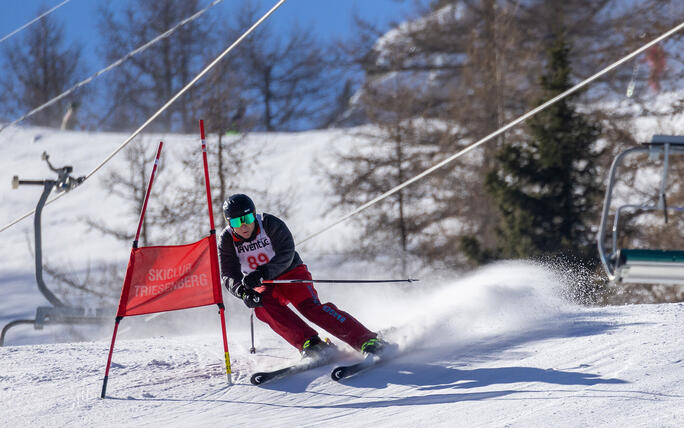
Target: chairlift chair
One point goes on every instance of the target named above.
(642, 265)
(59, 312)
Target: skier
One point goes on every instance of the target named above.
(260, 246)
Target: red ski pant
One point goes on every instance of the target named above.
(304, 298)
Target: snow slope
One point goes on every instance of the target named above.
(499, 347)
(499, 350)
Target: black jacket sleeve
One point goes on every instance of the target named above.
(228, 259)
(283, 244)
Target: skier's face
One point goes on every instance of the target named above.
(245, 230)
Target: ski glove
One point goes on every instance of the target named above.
(253, 279)
(252, 298)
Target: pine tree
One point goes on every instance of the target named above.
(545, 186)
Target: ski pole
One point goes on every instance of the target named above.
(333, 281)
(252, 350)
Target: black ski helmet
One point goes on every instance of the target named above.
(237, 206)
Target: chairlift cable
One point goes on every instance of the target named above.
(497, 132)
(164, 107)
(113, 65)
(405, 183)
(34, 20)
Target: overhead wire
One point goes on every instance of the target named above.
(34, 20)
(164, 107)
(113, 65)
(416, 177)
(496, 133)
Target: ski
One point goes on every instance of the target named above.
(343, 372)
(387, 351)
(260, 378)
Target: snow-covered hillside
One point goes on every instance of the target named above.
(498, 347)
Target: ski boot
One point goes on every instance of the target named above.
(315, 348)
(378, 347)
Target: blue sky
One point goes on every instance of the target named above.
(329, 18)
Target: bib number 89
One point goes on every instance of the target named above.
(254, 262)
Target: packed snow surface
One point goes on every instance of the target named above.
(492, 349)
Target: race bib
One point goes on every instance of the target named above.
(256, 252)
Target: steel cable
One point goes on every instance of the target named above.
(164, 107)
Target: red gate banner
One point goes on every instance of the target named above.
(167, 278)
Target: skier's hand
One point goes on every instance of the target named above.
(253, 279)
(252, 298)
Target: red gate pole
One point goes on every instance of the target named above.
(119, 315)
(214, 253)
(147, 194)
(109, 359)
(206, 176)
(225, 343)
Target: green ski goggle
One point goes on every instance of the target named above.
(239, 221)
